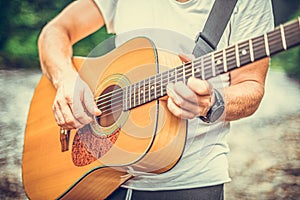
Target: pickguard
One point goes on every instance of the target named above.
(88, 147)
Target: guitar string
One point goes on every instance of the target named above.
(172, 77)
(118, 107)
(245, 43)
(207, 66)
(270, 36)
(146, 91)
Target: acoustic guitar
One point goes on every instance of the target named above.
(135, 132)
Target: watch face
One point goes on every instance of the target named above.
(216, 110)
(216, 113)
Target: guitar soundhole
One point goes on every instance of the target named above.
(111, 105)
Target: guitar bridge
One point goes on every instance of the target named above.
(64, 139)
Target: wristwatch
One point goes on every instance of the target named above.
(216, 111)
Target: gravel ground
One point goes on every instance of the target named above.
(264, 158)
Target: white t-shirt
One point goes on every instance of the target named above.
(204, 160)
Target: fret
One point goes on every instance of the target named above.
(251, 50)
(277, 45)
(179, 73)
(202, 69)
(152, 88)
(172, 77)
(183, 73)
(258, 45)
(237, 55)
(244, 53)
(126, 98)
(213, 66)
(283, 37)
(193, 69)
(219, 67)
(187, 71)
(224, 61)
(144, 92)
(168, 78)
(157, 85)
(165, 82)
(134, 95)
(130, 94)
(198, 67)
(290, 32)
(267, 44)
(175, 75)
(137, 101)
(139, 93)
(231, 60)
(149, 89)
(161, 85)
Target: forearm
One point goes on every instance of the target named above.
(55, 52)
(57, 38)
(246, 90)
(242, 100)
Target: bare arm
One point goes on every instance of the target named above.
(58, 36)
(75, 22)
(246, 90)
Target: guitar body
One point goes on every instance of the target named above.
(147, 138)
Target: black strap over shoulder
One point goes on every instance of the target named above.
(208, 39)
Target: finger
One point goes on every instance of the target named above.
(79, 108)
(184, 58)
(179, 112)
(189, 100)
(60, 118)
(185, 93)
(205, 93)
(200, 87)
(79, 112)
(178, 96)
(89, 103)
(204, 111)
(69, 119)
(58, 115)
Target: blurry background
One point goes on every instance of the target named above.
(265, 150)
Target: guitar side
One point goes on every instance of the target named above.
(49, 173)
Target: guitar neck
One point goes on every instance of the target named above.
(213, 64)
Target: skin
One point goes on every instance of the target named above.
(75, 108)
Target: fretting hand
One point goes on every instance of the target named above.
(192, 99)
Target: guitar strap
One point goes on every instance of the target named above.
(207, 40)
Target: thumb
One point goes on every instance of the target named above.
(90, 104)
(184, 58)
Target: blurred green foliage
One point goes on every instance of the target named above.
(22, 20)
(289, 61)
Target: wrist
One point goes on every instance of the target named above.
(64, 76)
(216, 110)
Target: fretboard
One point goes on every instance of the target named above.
(213, 64)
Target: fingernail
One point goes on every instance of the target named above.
(97, 112)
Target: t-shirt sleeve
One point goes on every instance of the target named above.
(108, 10)
(251, 18)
